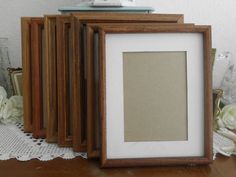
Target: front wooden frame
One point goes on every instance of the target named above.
(79, 112)
(64, 83)
(207, 158)
(37, 27)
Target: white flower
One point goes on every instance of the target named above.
(228, 117)
(13, 111)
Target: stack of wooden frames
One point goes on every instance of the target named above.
(84, 74)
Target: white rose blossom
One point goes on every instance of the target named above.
(227, 117)
(11, 110)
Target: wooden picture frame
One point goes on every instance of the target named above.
(117, 151)
(93, 138)
(26, 72)
(64, 83)
(38, 51)
(26, 40)
(93, 123)
(79, 112)
(50, 78)
(16, 80)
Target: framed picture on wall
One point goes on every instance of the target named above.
(16, 80)
(155, 96)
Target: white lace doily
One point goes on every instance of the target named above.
(22, 146)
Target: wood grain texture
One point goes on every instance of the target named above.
(222, 167)
(92, 151)
(36, 66)
(64, 83)
(206, 32)
(50, 79)
(13, 72)
(208, 103)
(79, 21)
(78, 106)
(100, 17)
(26, 72)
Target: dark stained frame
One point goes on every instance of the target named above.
(12, 72)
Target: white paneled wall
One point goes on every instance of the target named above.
(12, 10)
(220, 14)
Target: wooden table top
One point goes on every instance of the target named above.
(222, 167)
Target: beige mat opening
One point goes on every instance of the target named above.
(155, 96)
